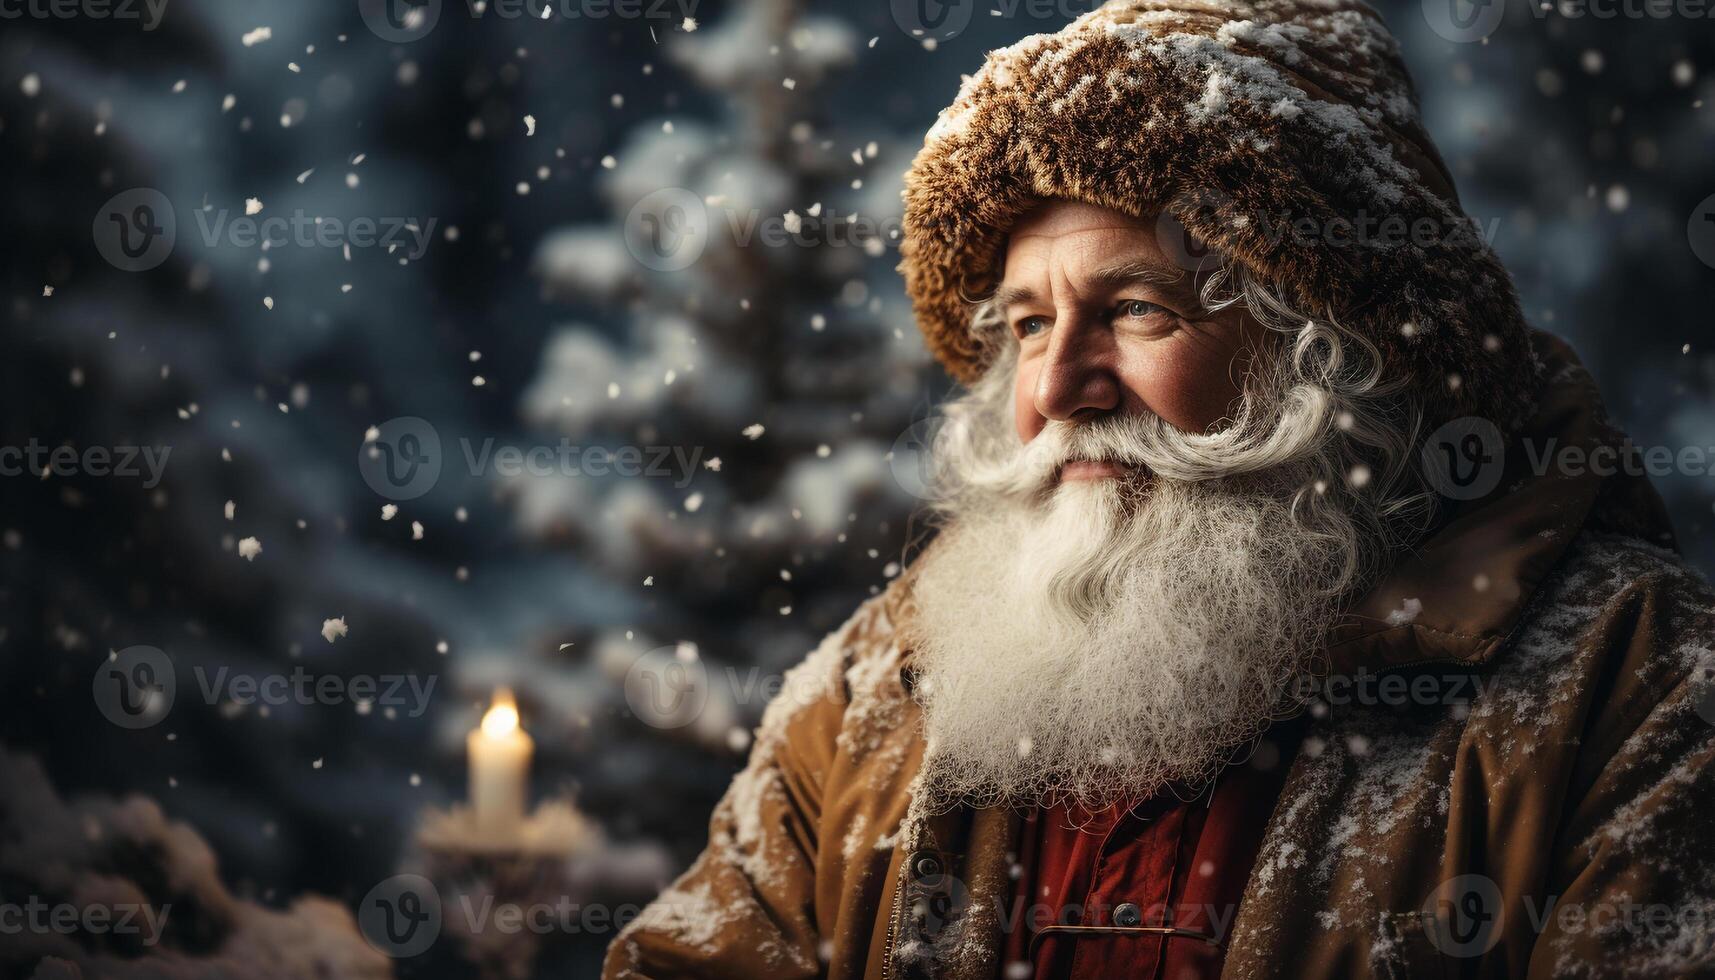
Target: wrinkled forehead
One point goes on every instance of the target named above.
(1056, 217)
(1097, 246)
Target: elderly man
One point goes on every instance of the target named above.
(1268, 631)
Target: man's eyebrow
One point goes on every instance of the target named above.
(1112, 277)
(1133, 273)
(1008, 296)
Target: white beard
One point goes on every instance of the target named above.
(1096, 641)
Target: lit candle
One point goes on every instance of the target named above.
(499, 768)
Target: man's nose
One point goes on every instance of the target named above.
(1077, 377)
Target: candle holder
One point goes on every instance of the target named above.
(481, 873)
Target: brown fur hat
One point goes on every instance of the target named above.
(1283, 133)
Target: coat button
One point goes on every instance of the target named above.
(925, 865)
(1128, 915)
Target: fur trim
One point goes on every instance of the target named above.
(1282, 132)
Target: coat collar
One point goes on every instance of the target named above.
(1459, 595)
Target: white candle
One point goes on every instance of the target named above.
(499, 768)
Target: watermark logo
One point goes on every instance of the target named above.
(135, 230)
(1183, 248)
(1700, 231)
(401, 458)
(1464, 459)
(935, 898)
(667, 230)
(400, 21)
(1463, 21)
(1706, 700)
(1463, 917)
(401, 917)
(667, 687)
(918, 458)
(135, 688)
(937, 19)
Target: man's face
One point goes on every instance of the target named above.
(1120, 594)
(1107, 324)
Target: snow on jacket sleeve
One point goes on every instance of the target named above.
(746, 907)
(1634, 893)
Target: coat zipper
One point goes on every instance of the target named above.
(893, 924)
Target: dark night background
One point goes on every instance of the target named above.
(1587, 142)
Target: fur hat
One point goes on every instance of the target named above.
(1282, 133)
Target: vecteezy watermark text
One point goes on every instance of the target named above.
(1465, 916)
(668, 229)
(137, 687)
(147, 13)
(401, 459)
(303, 230)
(37, 460)
(137, 230)
(39, 917)
(1466, 459)
(407, 691)
(1468, 21)
(943, 20)
(568, 459)
(404, 915)
(404, 21)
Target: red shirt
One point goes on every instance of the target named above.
(1164, 862)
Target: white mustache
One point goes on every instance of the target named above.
(1145, 441)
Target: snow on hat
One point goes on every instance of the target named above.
(1283, 133)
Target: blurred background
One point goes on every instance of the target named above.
(478, 418)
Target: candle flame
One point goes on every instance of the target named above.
(501, 719)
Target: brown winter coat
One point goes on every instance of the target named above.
(1578, 782)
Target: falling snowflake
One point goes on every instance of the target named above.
(1407, 613)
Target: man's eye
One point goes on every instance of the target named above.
(1032, 326)
(1137, 308)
